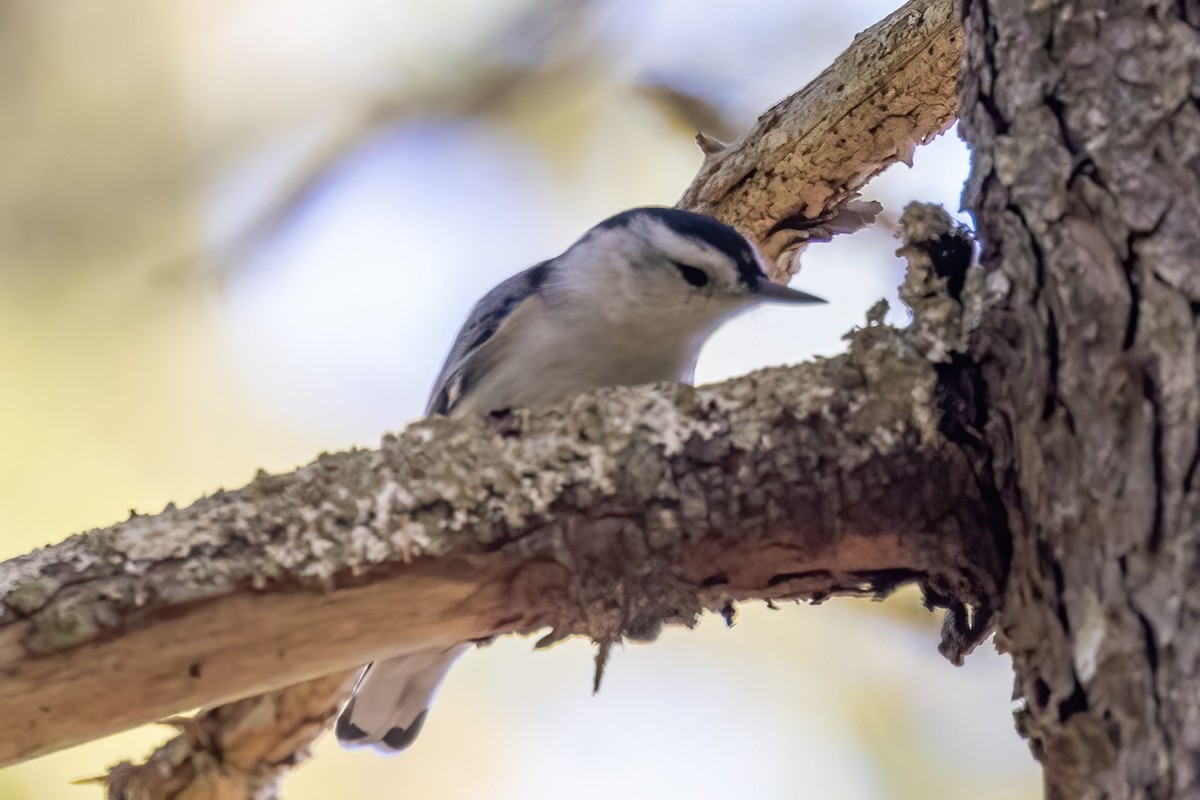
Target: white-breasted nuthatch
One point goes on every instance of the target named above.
(629, 303)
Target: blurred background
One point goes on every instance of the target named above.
(233, 235)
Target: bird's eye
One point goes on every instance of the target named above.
(696, 277)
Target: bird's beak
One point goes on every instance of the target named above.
(783, 294)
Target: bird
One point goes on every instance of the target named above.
(631, 302)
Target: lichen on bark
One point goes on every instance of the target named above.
(609, 516)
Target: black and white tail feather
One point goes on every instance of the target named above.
(392, 698)
(631, 302)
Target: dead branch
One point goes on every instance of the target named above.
(235, 750)
(793, 177)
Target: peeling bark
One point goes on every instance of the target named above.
(793, 177)
(1085, 130)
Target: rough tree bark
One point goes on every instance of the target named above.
(607, 517)
(1083, 120)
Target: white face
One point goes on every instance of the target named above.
(649, 274)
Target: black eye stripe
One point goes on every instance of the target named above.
(702, 229)
(693, 275)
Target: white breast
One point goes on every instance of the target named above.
(543, 358)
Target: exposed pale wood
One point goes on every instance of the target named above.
(181, 653)
(792, 178)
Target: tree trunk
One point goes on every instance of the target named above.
(1085, 133)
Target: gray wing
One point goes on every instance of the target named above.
(463, 368)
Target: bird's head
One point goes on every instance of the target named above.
(669, 267)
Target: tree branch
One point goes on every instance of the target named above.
(626, 510)
(238, 749)
(793, 177)
(622, 511)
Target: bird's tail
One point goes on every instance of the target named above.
(392, 698)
